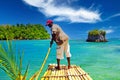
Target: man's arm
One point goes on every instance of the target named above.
(51, 42)
(53, 38)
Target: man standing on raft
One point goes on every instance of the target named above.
(62, 42)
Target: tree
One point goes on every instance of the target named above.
(21, 31)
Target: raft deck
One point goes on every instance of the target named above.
(74, 73)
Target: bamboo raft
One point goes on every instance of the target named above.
(74, 73)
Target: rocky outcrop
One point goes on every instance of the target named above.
(96, 36)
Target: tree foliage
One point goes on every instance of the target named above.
(21, 31)
(96, 32)
(11, 63)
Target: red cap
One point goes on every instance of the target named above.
(49, 22)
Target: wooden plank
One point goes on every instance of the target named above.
(52, 74)
(72, 74)
(56, 74)
(77, 73)
(86, 76)
(76, 77)
(60, 74)
(89, 78)
(49, 72)
(81, 73)
(69, 77)
(63, 74)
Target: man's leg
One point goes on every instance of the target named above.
(59, 55)
(58, 64)
(67, 51)
(68, 59)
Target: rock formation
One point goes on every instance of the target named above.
(96, 36)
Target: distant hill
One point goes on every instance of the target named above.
(96, 36)
(23, 31)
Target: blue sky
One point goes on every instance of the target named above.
(76, 17)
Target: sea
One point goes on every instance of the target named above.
(100, 59)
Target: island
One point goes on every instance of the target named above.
(23, 32)
(96, 36)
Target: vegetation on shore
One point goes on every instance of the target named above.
(21, 31)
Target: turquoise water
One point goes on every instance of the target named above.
(100, 60)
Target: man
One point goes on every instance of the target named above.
(61, 40)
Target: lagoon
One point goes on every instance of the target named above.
(100, 60)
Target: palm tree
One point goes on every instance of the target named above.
(11, 63)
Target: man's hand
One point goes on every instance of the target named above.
(59, 43)
(51, 42)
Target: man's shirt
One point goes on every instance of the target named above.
(59, 34)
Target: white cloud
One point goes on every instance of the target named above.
(115, 15)
(109, 31)
(50, 8)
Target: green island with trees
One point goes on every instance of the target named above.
(96, 36)
(23, 31)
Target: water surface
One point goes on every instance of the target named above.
(100, 60)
